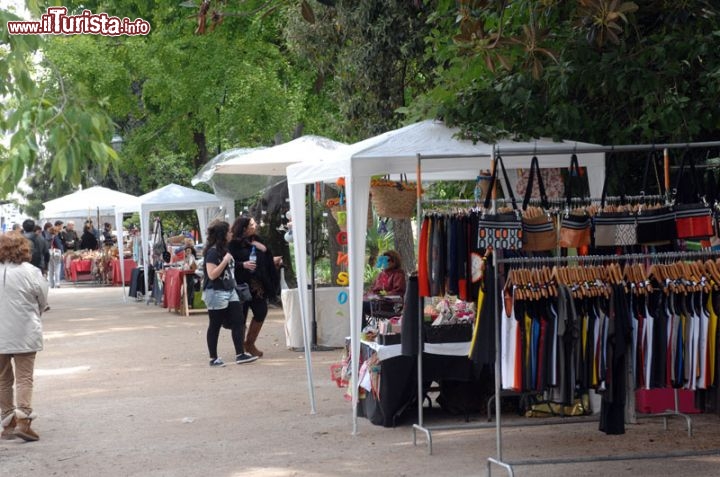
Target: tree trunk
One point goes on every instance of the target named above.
(405, 243)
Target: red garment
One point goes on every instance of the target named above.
(423, 280)
(391, 281)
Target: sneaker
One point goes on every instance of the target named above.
(217, 363)
(245, 358)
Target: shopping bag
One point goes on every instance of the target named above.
(613, 226)
(692, 220)
(575, 224)
(538, 228)
(656, 225)
(499, 230)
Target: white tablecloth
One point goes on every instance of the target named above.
(333, 319)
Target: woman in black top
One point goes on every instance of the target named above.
(88, 241)
(261, 276)
(220, 296)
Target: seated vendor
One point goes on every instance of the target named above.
(390, 282)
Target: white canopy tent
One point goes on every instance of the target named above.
(88, 202)
(176, 197)
(242, 172)
(395, 152)
(91, 202)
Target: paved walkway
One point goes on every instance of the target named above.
(124, 389)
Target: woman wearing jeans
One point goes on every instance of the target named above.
(220, 296)
(23, 296)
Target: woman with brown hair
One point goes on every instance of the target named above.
(220, 296)
(254, 265)
(23, 296)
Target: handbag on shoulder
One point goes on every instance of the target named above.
(575, 224)
(539, 233)
(499, 230)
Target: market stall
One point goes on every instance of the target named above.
(396, 152)
(176, 197)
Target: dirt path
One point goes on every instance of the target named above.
(124, 389)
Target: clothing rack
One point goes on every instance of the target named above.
(655, 257)
(510, 151)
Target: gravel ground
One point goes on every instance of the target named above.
(124, 389)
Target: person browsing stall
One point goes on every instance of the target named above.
(220, 296)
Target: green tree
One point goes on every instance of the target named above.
(51, 122)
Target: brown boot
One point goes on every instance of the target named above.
(22, 430)
(252, 334)
(8, 424)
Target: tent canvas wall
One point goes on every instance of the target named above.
(395, 152)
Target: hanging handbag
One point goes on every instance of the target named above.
(693, 220)
(499, 230)
(539, 233)
(574, 227)
(655, 224)
(613, 227)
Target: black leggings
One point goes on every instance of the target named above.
(233, 314)
(259, 308)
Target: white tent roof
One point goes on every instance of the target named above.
(242, 172)
(273, 161)
(395, 152)
(445, 157)
(177, 197)
(88, 202)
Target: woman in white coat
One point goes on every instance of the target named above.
(23, 296)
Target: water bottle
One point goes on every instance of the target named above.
(253, 257)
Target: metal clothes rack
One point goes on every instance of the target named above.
(521, 151)
(656, 257)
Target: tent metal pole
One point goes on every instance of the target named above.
(312, 265)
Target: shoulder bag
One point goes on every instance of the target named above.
(693, 220)
(539, 233)
(655, 225)
(574, 227)
(504, 230)
(613, 227)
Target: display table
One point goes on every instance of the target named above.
(82, 268)
(175, 297)
(129, 265)
(333, 319)
(398, 377)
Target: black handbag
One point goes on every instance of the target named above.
(504, 230)
(159, 246)
(243, 291)
(655, 225)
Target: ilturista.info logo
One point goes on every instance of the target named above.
(57, 22)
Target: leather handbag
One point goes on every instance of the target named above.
(692, 220)
(655, 223)
(499, 230)
(575, 225)
(538, 227)
(613, 227)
